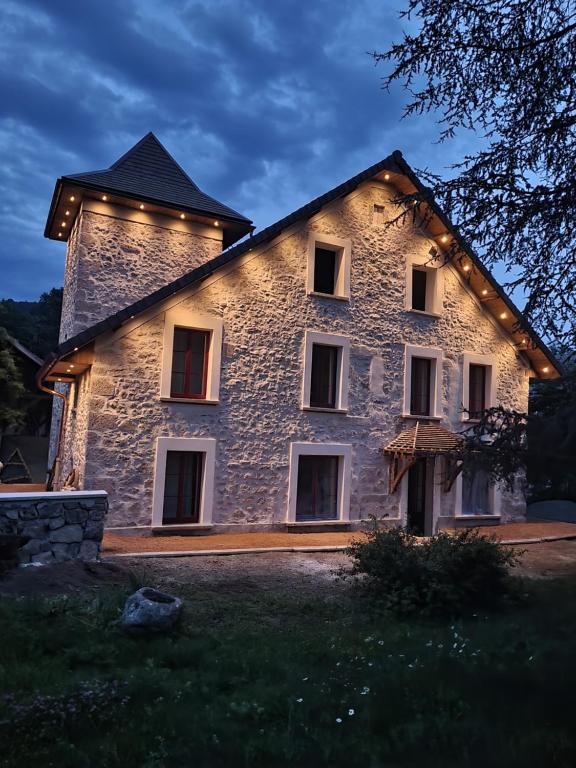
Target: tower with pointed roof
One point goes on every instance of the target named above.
(131, 228)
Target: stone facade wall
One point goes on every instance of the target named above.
(266, 311)
(113, 261)
(60, 526)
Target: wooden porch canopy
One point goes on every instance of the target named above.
(421, 440)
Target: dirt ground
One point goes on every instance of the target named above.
(309, 573)
(115, 544)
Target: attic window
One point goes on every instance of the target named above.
(328, 266)
(325, 270)
(424, 285)
(419, 280)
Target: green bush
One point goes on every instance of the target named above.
(447, 574)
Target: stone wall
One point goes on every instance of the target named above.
(113, 260)
(60, 526)
(266, 310)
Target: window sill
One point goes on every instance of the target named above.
(190, 400)
(421, 418)
(313, 409)
(424, 312)
(477, 517)
(470, 421)
(328, 296)
(175, 528)
(317, 523)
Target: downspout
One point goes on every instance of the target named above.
(40, 376)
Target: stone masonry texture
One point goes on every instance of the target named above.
(113, 262)
(111, 435)
(59, 526)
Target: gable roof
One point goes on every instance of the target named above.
(398, 168)
(149, 173)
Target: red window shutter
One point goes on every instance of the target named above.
(190, 363)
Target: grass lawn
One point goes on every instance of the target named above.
(276, 680)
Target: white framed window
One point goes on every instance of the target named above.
(328, 266)
(422, 382)
(478, 384)
(476, 496)
(424, 285)
(183, 481)
(191, 357)
(326, 370)
(319, 482)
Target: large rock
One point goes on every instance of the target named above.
(149, 610)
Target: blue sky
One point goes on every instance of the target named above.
(265, 105)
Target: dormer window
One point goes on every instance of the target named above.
(328, 266)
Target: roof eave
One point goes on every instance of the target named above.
(467, 248)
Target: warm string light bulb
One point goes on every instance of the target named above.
(503, 316)
(545, 369)
(182, 216)
(386, 177)
(141, 206)
(104, 198)
(444, 239)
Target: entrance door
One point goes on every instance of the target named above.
(418, 498)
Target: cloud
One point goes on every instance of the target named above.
(266, 105)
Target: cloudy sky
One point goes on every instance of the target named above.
(265, 104)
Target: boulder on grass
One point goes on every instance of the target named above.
(149, 611)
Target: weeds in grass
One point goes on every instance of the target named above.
(326, 683)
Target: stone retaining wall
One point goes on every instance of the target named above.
(60, 526)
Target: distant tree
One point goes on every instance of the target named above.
(35, 324)
(504, 69)
(540, 444)
(11, 387)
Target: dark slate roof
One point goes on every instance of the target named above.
(149, 171)
(394, 163)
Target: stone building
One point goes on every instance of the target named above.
(314, 373)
